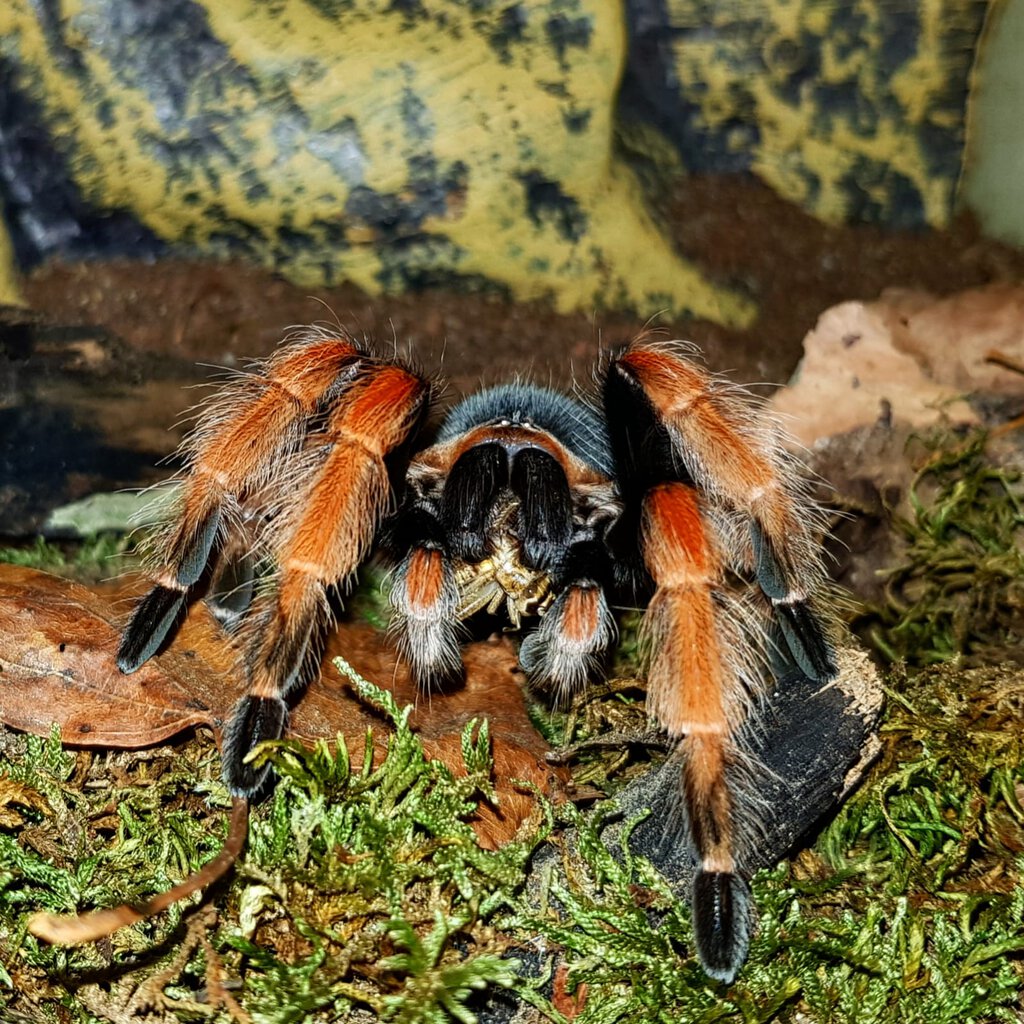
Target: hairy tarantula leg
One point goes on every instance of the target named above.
(802, 631)
(324, 538)
(425, 536)
(721, 441)
(695, 691)
(152, 620)
(264, 418)
(425, 598)
(578, 629)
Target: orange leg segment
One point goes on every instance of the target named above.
(256, 421)
(263, 418)
(733, 453)
(324, 537)
(425, 597)
(694, 691)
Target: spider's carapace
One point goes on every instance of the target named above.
(670, 489)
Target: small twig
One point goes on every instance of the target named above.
(150, 994)
(1008, 427)
(652, 738)
(216, 991)
(70, 930)
(997, 358)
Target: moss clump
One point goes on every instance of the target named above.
(362, 889)
(86, 831)
(958, 588)
(908, 907)
(368, 888)
(96, 558)
(364, 894)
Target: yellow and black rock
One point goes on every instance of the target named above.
(397, 143)
(854, 111)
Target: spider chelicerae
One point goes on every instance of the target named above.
(670, 489)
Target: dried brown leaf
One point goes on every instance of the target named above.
(57, 646)
(15, 794)
(58, 641)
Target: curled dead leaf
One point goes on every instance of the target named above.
(58, 641)
(15, 794)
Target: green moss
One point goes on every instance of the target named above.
(958, 588)
(909, 906)
(360, 887)
(363, 889)
(89, 560)
(106, 830)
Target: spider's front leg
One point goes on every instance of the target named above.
(708, 489)
(326, 531)
(691, 425)
(319, 488)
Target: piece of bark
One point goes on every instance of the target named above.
(810, 747)
(909, 358)
(852, 374)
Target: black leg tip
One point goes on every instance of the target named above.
(254, 720)
(806, 640)
(152, 621)
(722, 911)
(195, 555)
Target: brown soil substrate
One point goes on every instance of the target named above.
(737, 229)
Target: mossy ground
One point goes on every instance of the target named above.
(363, 893)
(101, 557)
(958, 589)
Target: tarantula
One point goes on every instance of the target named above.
(672, 491)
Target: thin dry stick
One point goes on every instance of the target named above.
(70, 930)
(216, 991)
(994, 356)
(150, 994)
